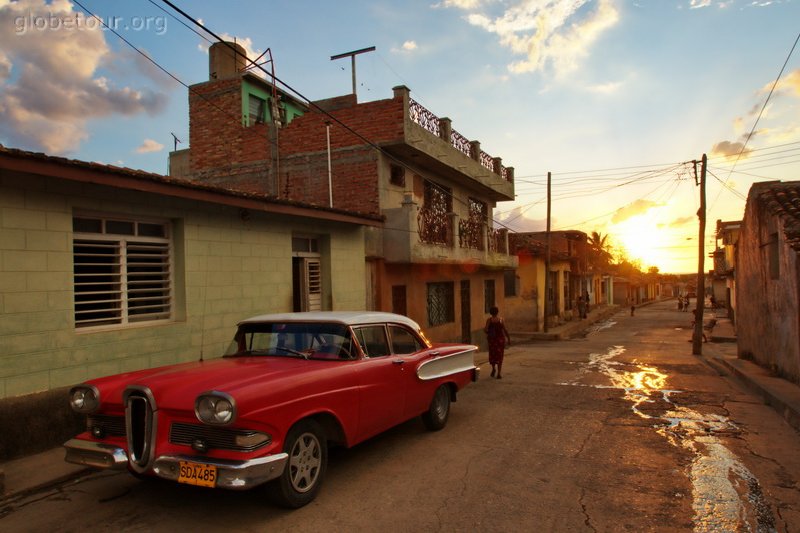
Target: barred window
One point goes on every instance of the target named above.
(441, 306)
(122, 271)
(488, 295)
(511, 283)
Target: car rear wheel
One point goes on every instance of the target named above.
(305, 468)
(435, 418)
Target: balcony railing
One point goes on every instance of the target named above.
(423, 117)
(470, 234)
(497, 241)
(434, 227)
(430, 122)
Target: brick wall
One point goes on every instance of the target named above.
(224, 151)
(354, 162)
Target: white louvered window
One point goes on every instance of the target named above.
(123, 271)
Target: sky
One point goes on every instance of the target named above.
(614, 98)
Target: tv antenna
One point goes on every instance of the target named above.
(352, 55)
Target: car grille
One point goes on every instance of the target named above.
(220, 438)
(110, 425)
(140, 426)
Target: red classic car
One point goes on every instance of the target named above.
(289, 386)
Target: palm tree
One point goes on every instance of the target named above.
(600, 250)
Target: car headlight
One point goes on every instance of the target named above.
(216, 408)
(84, 398)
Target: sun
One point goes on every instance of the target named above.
(643, 241)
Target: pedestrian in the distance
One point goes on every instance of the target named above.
(581, 307)
(496, 335)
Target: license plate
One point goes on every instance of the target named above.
(197, 474)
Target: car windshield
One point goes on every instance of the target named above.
(310, 340)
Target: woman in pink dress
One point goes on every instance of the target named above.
(496, 334)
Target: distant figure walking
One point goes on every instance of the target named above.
(581, 307)
(496, 334)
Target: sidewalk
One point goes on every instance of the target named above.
(36, 472)
(567, 329)
(778, 393)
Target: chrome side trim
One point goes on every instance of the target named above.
(446, 365)
(234, 475)
(96, 454)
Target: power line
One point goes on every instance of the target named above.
(760, 113)
(317, 108)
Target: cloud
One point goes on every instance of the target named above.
(605, 88)
(149, 145)
(682, 221)
(778, 131)
(515, 220)
(409, 45)
(788, 84)
(244, 42)
(49, 82)
(547, 33)
(730, 150)
(722, 4)
(638, 207)
(461, 4)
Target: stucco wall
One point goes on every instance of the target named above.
(228, 265)
(416, 278)
(767, 309)
(525, 311)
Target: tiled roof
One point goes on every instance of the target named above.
(782, 199)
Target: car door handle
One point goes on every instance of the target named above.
(398, 361)
(434, 354)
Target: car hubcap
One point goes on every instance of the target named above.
(304, 462)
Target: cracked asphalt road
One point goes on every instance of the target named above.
(559, 444)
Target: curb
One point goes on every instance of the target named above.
(778, 393)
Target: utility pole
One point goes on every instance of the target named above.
(352, 55)
(697, 335)
(547, 258)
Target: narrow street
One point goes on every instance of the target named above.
(621, 430)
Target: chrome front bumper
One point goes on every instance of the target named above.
(236, 475)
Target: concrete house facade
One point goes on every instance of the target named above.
(768, 278)
(569, 279)
(438, 257)
(105, 270)
(723, 277)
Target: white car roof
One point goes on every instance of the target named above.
(348, 318)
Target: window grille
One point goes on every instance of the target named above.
(441, 306)
(488, 295)
(122, 272)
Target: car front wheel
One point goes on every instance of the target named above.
(302, 478)
(435, 418)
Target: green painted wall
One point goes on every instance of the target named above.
(227, 267)
(249, 88)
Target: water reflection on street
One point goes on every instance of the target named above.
(726, 495)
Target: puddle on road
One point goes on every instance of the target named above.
(726, 495)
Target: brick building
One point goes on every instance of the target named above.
(437, 258)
